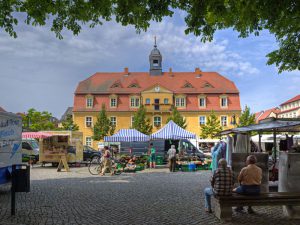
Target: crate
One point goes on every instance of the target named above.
(129, 171)
(185, 168)
(139, 168)
(159, 160)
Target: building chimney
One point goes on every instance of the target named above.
(171, 72)
(197, 70)
(126, 70)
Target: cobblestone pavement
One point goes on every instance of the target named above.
(155, 197)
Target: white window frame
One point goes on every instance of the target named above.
(89, 102)
(86, 122)
(166, 101)
(113, 102)
(204, 100)
(115, 122)
(180, 101)
(133, 102)
(201, 116)
(149, 101)
(155, 121)
(221, 101)
(89, 142)
(222, 121)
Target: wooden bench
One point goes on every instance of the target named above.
(223, 205)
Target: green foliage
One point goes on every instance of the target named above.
(140, 122)
(69, 124)
(246, 118)
(103, 125)
(37, 121)
(203, 18)
(212, 126)
(177, 118)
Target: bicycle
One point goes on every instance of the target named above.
(96, 165)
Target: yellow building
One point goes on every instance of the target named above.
(195, 94)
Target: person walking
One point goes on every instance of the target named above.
(221, 184)
(152, 151)
(172, 158)
(250, 180)
(106, 161)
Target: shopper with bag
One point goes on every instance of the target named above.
(172, 158)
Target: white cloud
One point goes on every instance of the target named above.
(37, 62)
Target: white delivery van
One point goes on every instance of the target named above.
(10, 144)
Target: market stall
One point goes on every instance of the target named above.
(53, 145)
(129, 136)
(186, 158)
(172, 131)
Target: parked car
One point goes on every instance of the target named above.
(88, 152)
(30, 150)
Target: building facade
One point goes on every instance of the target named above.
(290, 108)
(268, 113)
(195, 94)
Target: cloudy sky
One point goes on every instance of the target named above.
(39, 71)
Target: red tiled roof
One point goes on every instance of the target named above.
(101, 83)
(266, 113)
(296, 98)
(2, 110)
(257, 115)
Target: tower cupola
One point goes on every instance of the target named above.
(155, 60)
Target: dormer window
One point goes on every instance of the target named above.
(224, 102)
(202, 101)
(187, 85)
(207, 85)
(134, 102)
(134, 85)
(180, 102)
(116, 84)
(113, 101)
(89, 102)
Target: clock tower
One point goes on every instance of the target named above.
(155, 60)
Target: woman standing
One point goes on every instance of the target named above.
(152, 155)
(106, 161)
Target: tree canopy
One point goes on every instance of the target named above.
(247, 118)
(103, 125)
(177, 118)
(211, 127)
(69, 124)
(203, 18)
(141, 122)
(36, 121)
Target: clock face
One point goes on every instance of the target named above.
(157, 89)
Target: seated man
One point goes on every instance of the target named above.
(250, 180)
(222, 183)
(131, 164)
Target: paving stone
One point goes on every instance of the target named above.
(148, 197)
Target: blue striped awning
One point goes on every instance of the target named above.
(172, 131)
(127, 135)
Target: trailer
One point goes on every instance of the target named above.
(68, 143)
(10, 144)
